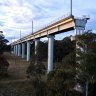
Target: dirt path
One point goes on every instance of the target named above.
(17, 68)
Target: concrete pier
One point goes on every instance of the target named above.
(23, 50)
(16, 49)
(28, 50)
(50, 53)
(36, 44)
(19, 49)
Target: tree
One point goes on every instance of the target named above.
(76, 69)
(37, 67)
(87, 66)
(35, 70)
(62, 48)
(3, 42)
(3, 62)
(61, 81)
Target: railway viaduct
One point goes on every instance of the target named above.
(65, 24)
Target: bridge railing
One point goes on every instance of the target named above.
(52, 22)
(46, 25)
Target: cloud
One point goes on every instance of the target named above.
(16, 15)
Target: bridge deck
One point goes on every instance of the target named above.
(63, 25)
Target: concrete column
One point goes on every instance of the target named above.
(28, 51)
(16, 49)
(12, 49)
(75, 31)
(23, 50)
(19, 49)
(36, 43)
(50, 53)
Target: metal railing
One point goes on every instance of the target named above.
(46, 25)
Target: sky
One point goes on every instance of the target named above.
(16, 16)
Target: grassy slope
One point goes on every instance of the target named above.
(16, 84)
(17, 89)
(17, 68)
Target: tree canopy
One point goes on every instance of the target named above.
(3, 42)
(69, 74)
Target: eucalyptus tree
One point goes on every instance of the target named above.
(87, 66)
(3, 42)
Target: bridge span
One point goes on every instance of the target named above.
(66, 24)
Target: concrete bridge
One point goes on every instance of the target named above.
(66, 24)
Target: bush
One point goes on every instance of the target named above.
(3, 67)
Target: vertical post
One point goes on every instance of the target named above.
(23, 50)
(19, 49)
(36, 50)
(71, 7)
(20, 34)
(16, 49)
(12, 49)
(36, 44)
(32, 26)
(50, 53)
(28, 51)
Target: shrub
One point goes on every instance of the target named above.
(3, 67)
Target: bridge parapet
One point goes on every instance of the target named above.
(63, 25)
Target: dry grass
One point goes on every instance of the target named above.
(17, 66)
(16, 84)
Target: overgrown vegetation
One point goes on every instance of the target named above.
(72, 76)
(3, 41)
(3, 63)
(69, 75)
(3, 67)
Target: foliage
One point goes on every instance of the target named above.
(35, 70)
(87, 59)
(88, 55)
(24, 88)
(61, 81)
(3, 63)
(62, 48)
(3, 67)
(3, 42)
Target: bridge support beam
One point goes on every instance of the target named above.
(16, 50)
(28, 50)
(50, 53)
(23, 50)
(79, 31)
(36, 44)
(12, 49)
(19, 49)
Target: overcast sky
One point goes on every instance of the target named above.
(16, 15)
